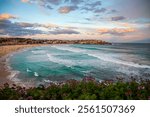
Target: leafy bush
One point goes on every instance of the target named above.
(80, 90)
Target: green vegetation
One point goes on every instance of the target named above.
(80, 90)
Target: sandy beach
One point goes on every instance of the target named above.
(4, 53)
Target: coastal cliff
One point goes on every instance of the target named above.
(23, 41)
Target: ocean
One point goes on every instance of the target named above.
(56, 63)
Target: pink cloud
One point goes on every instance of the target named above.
(6, 16)
(67, 9)
(25, 1)
(115, 31)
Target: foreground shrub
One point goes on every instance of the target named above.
(80, 90)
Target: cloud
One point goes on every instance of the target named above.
(14, 29)
(102, 10)
(116, 31)
(67, 9)
(74, 2)
(35, 25)
(69, 5)
(118, 18)
(64, 31)
(50, 4)
(88, 19)
(6, 16)
(46, 6)
(94, 7)
(24, 24)
(2, 31)
(94, 4)
(113, 11)
(25, 1)
(22, 29)
(85, 8)
(54, 2)
(43, 2)
(49, 7)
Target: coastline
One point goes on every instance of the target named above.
(5, 52)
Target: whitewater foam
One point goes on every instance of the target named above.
(28, 70)
(37, 58)
(65, 62)
(13, 75)
(68, 48)
(105, 57)
(36, 74)
(112, 60)
(38, 52)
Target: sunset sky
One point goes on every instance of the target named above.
(108, 20)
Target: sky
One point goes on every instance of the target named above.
(108, 20)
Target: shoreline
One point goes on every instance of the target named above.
(5, 52)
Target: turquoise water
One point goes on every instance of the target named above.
(62, 62)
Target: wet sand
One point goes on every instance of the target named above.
(4, 53)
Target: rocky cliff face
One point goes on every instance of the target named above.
(20, 41)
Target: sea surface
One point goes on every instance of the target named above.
(56, 63)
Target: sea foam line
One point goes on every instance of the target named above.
(119, 61)
(105, 57)
(67, 63)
